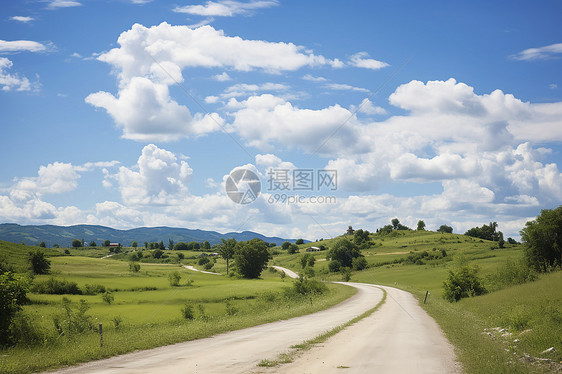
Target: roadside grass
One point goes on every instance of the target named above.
(150, 316)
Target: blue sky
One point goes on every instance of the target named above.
(133, 113)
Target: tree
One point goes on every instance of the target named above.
(206, 245)
(445, 229)
(463, 283)
(134, 267)
(226, 250)
(344, 252)
(395, 222)
(134, 244)
(157, 253)
(161, 245)
(251, 257)
(106, 243)
(299, 241)
(174, 278)
(421, 225)
(542, 238)
(76, 243)
(285, 245)
(170, 244)
(307, 260)
(38, 263)
(93, 244)
(13, 291)
(361, 238)
(486, 232)
(42, 245)
(293, 248)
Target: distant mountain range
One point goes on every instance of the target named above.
(63, 235)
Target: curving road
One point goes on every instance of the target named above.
(399, 338)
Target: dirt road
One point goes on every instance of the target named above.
(237, 351)
(399, 338)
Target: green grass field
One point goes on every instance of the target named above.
(148, 309)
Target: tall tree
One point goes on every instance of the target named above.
(421, 225)
(226, 250)
(543, 240)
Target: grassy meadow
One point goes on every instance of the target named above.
(146, 311)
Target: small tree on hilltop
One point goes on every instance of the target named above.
(251, 257)
(421, 225)
(445, 229)
(76, 243)
(42, 245)
(285, 245)
(299, 241)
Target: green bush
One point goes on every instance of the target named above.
(54, 286)
(307, 260)
(108, 297)
(334, 266)
(465, 282)
(13, 291)
(304, 286)
(73, 321)
(134, 267)
(359, 263)
(174, 278)
(513, 272)
(94, 289)
(203, 261)
(38, 263)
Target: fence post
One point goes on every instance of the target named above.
(101, 335)
(426, 294)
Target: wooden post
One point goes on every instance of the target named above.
(101, 335)
(426, 294)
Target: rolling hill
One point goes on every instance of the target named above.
(63, 235)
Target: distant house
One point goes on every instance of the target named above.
(350, 231)
(115, 244)
(313, 249)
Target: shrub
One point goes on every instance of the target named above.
(187, 312)
(174, 278)
(134, 267)
(309, 272)
(463, 283)
(108, 297)
(299, 241)
(13, 291)
(512, 273)
(251, 257)
(307, 260)
(231, 310)
(344, 251)
(292, 249)
(73, 321)
(304, 286)
(203, 261)
(117, 322)
(334, 266)
(209, 265)
(94, 289)
(54, 286)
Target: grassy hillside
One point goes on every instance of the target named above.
(504, 331)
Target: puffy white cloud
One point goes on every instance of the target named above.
(222, 77)
(540, 53)
(267, 119)
(54, 178)
(359, 60)
(23, 19)
(367, 107)
(145, 111)
(21, 46)
(225, 8)
(151, 59)
(157, 178)
(12, 81)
